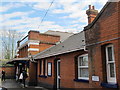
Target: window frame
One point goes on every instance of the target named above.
(49, 73)
(45, 67)
(82, 67)
(41, 67)
(109, 78)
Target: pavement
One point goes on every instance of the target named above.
(11, 84)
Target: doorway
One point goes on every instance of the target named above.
(58, 74)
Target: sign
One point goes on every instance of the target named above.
(95, 78)
(49, 69)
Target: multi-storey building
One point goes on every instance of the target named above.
(32, 44)
(35, 42)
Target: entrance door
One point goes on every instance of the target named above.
(58, 74)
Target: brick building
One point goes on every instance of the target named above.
(69, 65)
(89, 59)
(30, 45)
(9, 71)
(35, 42)
(103, 43)
(58, 65)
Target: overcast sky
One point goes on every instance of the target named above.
(64, 15)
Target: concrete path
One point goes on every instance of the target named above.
(11, 84)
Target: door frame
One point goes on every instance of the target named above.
(55, 73)
(58, 74)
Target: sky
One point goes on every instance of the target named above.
(63, 15)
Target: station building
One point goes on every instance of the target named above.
(88, 59)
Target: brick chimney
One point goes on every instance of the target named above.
(92, 13)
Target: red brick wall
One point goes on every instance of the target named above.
(23, 52)
(67, 71)
(46, 41)
(44, 46)
(10, 71)
(105, 28)
(35, 35)
(119, 44)
(49, 80)
(49, 38)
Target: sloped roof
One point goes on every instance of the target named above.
(17, 59)
(73, 43)
(63, 35)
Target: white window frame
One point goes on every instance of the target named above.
(41, 67)
(110, 79)
(49, 69)
(86, 78)
(45, 67)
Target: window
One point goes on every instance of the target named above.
(83, 67)
(45, 67)
(110, 64)
(41, 67)
(49, 69)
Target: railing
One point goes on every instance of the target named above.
(24, 40)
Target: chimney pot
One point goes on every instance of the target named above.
(92, 13)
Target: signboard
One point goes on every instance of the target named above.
(49, 69)
(95, 78)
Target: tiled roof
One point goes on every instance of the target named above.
(73, 43)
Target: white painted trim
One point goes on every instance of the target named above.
(86, 78)
(41, 67)
(110, 79)
(33, 49)
(27, 43)
(45, 67)
(33, 42)
(58, 76)
(17, 50)
(17, 54)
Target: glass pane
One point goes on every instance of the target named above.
(110, 58)
(112, 72)
(83, 61)
(83, 72)
(59, 68)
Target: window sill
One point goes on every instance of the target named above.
(49, 75)
(81, 80)
(107, 85)
(43, 76)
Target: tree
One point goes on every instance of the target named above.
(9, 40)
